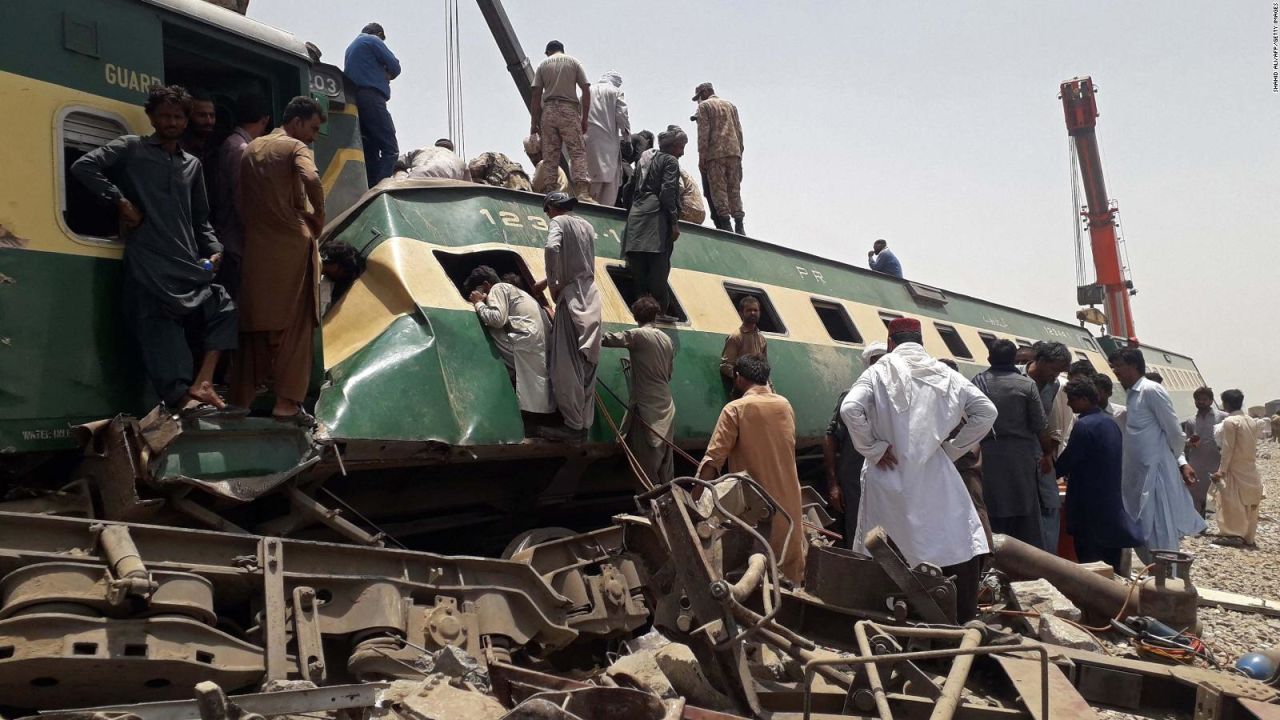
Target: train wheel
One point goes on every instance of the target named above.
(536, 536)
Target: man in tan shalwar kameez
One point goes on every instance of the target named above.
(282, 204)
(757, 435)
(650, 428)
(1241, 489)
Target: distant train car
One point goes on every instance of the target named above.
(73, 76)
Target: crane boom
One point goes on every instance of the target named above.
(495, 16)
(1081, 110)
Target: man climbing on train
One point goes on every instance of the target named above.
(171, 253)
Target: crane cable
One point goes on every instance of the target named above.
(453, 77)
(1083, 276)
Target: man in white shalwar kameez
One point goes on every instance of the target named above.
(900, 413)
(1155, 491)
(570, 257)
(607, 125)
(519, 329)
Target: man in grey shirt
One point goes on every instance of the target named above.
(651, 415)
(170, 254)
(1202, 450)
(1010, 453)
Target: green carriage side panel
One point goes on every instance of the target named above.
(84, 366)
(404, 386)
(111, 48)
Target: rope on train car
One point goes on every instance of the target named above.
(622, 442)
(674, 448)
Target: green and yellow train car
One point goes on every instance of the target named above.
(73, 76)
(414, 382)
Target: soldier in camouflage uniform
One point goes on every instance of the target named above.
(494, 168)
(561, 119)
(720, 155)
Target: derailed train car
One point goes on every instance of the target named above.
(413, 381)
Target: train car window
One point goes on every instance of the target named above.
(888, 317)
(1081, 356)
(954, 342)
(509, 266)
(987, 339)
(84, 214)
(623, 281)
(837, 321)
(770, 322)
(1089, 343)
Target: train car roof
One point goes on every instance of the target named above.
(235, 23)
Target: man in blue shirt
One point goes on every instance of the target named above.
(882, 260)
(1093, 464)
(372, 67)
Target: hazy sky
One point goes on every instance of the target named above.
(933, 125)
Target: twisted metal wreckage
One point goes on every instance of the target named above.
(160, 623)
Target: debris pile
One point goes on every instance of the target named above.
(675, 611)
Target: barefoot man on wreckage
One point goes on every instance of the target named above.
(170, 254)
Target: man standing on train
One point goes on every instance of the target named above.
(170, 253)
(560, 119)
(252, 118)
(282, 203)
(519, 330)
(653, 221)
(372, 67)
(570, 258)
(720, 150)
(901, 415)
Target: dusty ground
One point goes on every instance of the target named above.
(1248, 572)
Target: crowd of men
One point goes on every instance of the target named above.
(221, 262)
(1135, 477)
(589, 122)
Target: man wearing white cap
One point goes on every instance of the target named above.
(607, 124)
(842, 461)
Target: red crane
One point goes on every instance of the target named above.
(1113, 286)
